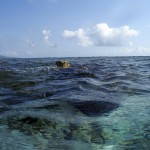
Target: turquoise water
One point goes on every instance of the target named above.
(97, 104)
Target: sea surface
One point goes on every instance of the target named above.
(99, 103)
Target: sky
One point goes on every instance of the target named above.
(74, 28)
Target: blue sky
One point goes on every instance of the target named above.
(74, 28)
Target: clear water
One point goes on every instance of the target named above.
(97, 104)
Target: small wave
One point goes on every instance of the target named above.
(23, 84)
(95, 87)
(85, 75)
(109, 78)
(114, 84)
(133, 90)
(44, 69)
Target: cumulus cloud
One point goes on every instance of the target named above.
(102, 35)
(106, 36)
(80, 35)
(46, 37)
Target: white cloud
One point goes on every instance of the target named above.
(80, 35)
(135, 51)
(30, 43)
(106, 36)
(102, 35)
(10, 53)
(46, 37)
(46, 34)
(69, 34)
(143, 50)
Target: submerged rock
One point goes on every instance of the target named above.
(63, 64)
(57, 121)
(64, 121)
(54, 129)
(75, 71)
(95, 108)
(32, 126)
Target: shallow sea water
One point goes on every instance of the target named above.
(100, 103)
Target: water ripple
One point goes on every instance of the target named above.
(98, 103)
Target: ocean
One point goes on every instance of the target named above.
(99, 103)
